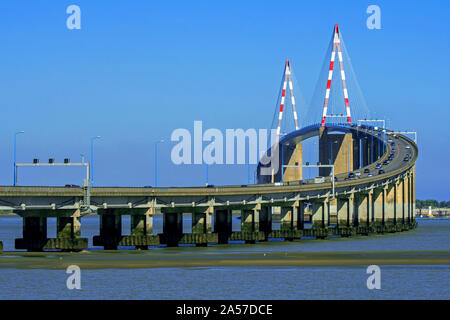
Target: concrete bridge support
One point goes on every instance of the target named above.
(141, 231)
(362, 214)
(333, 211)
(250, 226)
(34, 234)
(265, 221)
(110, 229)
(141, 235)
(289, 222)
(346, 215)
(222, 224)
(390, 205)
(292, 156)
(172, 227)
(339, 149)
(201, 228)
(379, 208)
(68, 231)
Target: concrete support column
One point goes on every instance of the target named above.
(247, 220)
(34, 234)
(289, 218)
(68, 227)
(142, 227)
(389, 204)
(265, 221)
(362, 205)
(293, 157)
(399, 202)
(222, 224)
(250, 225)
(172, 227)
(378, 196)
(333, 214)
(342, 212)
(339, 149)
(409, 199)
(403, 201)
(110, 229)
(319, 218)
(301, 215)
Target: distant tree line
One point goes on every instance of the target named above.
(424, 204)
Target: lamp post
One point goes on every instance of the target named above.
(92, 159)
(15, 148)
(156, 161)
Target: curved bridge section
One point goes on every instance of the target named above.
(370, 201)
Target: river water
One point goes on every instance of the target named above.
(299, 282)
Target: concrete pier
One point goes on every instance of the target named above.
(141, 233)
(201, 228)
(250, 226)
(68, 231)
(339, 149)
(222, 224)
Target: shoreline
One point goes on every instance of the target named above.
(124, 259)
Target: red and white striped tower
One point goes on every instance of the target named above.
(336, 47)
(287, 79)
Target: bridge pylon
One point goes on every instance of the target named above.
(336, 48)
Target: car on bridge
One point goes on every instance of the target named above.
(380, 171)
(366, 170)
(71, 186)
(378, 166)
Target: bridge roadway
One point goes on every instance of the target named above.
(380, 203)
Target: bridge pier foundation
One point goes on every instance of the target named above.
(250, 226)
(320, 220)
(141, 229)
(34, 234)
(202, 227)
(345, 216)
(289, 223)
(68, 231)
(172, 227)
(110, 229)
(141, 235)
(223, 224)
(362, 214)
(379, 209)
(265, 221)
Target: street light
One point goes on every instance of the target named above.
(156, 161)
(15, 145)
(92, 159)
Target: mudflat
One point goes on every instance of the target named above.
(103, 259)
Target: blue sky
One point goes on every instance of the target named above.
(137, 70)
